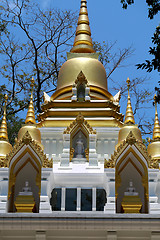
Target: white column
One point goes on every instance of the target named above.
(93, 199)
(78, 199)
(111, 235)
(155, 235)
(53, 147)
(63, 198)
(40, 235)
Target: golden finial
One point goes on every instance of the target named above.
(83, 41)
(156, 130)
(3, 128)
(30, 118)
(129, 117)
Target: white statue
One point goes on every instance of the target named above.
(26, 190)
(131, 190)
(79, 149)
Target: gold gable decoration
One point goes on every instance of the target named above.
(81, 78)
(27, 140)
(130, 140)
(110, 163)
(153, 163)
(47, 163)
(3, 163)
(79, 121)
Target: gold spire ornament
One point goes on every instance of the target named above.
(30, 118)
(129, 123)
(83, 41)
(156, 130)
(154, 146)
(3, 129)
(129, 117)
(5, 146)
(30, 122)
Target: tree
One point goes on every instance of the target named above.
(154, 64)
(33, 43)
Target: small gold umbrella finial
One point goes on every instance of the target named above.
(128, 83)
(30, 118)
(3, 128)
(129, 117)
(156, 130)
(83, 41)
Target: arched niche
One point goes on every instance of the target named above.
(81, 89)
(131, 166)
(79, 134)
(79, 127)
(25, 163)
(81, 92)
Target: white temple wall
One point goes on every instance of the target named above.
(52, 139)
(3, 189)
(107, 181)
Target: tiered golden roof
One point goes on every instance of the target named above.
(30, 122)
(99, 107)
(5, 146)
(83, 41)
(129, 124)
(82, 57)
(154, 146)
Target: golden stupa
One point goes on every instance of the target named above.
(5, 146)
(82, 57)
(154, 146)
(30, 122)
(129, 123)
(99, 108)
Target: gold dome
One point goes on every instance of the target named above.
(82, 57)
(33, 131)
(129, 124)
(126, 129)
(5, 146)
(154, 149)
(154, 146)
(30, 122)
(93, 70)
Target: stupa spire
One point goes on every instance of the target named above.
(156, 130)
(83, 41)
(30, 118)
(129, 117)
(3, 128)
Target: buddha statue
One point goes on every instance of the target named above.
(79, 148)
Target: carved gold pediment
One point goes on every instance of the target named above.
(130, 140)
(27, 140)
(3, 163)
(81, 79)
(77, 123)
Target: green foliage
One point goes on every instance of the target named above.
(125, 3)
(153, 9)
(154, 64)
